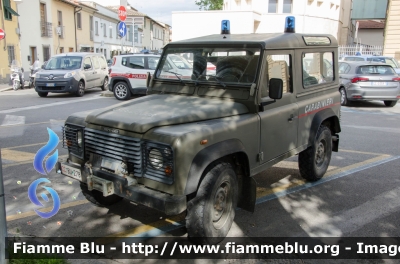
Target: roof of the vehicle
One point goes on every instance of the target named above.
(266, 40)
(138, 54)
(79, 54)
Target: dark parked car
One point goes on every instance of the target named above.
(365, 81)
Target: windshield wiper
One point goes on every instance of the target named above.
(214, 76)
(177, 75)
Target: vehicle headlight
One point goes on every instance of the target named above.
(158, 162)
(156, 158)
(73, 139)
(36, 75)
(70, 74)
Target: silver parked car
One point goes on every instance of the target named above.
(365, 81)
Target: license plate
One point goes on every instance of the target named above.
(379, 83)
(71, 171)
(50, 84)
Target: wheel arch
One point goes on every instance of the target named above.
(328, 118)
(114, 80)
(232, 151)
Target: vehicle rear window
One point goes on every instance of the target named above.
(375, 69)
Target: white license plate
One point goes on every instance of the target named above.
(50, 84)
(379, 83)
(71, 171)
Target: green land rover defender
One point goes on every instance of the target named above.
(237, 106)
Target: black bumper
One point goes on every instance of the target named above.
(169, 204)
(69, 85)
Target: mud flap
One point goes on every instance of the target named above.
(247, 200)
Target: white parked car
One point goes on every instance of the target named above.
(128, 74)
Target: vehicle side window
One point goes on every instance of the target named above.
(102, 61)
(152, 61)
(136, 62)
(87, 63)
(317, 68)
(96, 63)
(359, 59)
(280, 67)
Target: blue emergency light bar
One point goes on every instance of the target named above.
(290, 25)
(225, 27)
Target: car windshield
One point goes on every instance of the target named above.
(375, 69)
(219, 65)
(64, 63)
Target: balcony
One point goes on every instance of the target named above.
(45, 29)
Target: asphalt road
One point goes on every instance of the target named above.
(359, 195)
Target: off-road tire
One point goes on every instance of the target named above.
(42, 94)
(314, 161)
(122, 91)
(97, 198)
(390, 103)
(343, 97)
(210, 214)
(105, 84)
(81, 89)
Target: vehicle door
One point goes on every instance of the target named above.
(103, 68)
(96, 72)
(135, 70)
(279, 120)
(88, 72)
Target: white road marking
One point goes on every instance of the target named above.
(381, 129)
(48, 105)
(11, 120)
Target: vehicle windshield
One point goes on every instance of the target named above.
(36, 65)
(64, 63)
(220, 65)
(375, 69)
(15, 65)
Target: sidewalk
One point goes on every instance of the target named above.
(5, 87)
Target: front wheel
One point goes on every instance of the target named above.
(16, 85)
(42, 94)
(210, 214)
(390, 103)
(97, 198)
(121, 91)
(81, 89)
(314, 161)
(105, 84)
(343, 97)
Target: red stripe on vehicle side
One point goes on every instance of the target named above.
(317, 110)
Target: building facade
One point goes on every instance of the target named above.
(9, 46)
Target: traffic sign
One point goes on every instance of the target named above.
(122, 13)
(122, 29)
(2, 34)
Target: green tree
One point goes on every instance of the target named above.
(210, 4)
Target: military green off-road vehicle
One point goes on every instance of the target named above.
(201, 133)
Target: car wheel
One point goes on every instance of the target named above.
(121, 91)
(390, 103)
(43, 94)
(81, 89)
(97, 198)
(314, 161)
(210, 214)
(343, 97)
(105, 84)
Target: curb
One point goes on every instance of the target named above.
(107, 94)
(5, 89)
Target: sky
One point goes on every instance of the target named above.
(160, 10)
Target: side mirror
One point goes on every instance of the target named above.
(87, 67)
(148, 78)
(22, 69)
(275, 88)
(43, 66)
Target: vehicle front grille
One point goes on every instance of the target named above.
(70, 139)
(54, 88)
(114, 146)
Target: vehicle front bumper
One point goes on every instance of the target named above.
(169, 204)
(62, 85)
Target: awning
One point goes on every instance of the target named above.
(9, 9)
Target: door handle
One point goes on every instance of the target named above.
(291, 118)
(94, 72)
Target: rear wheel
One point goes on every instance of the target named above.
(97, 198)
(121, 91)
(105, 84)
(81, 89)
(343, 97)
(314, 161)
(43, 94)
(210, 214)
(390, 103)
